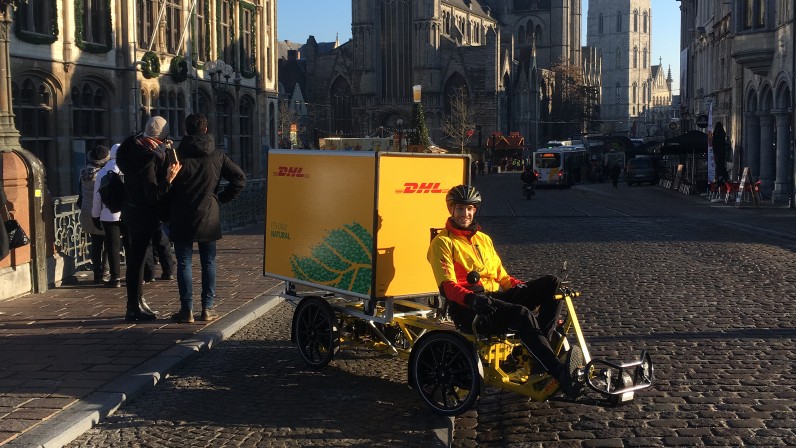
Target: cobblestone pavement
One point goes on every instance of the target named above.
(255, 391)
(710, 300)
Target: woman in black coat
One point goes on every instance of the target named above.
(194, 211)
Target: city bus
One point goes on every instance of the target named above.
(562, 166)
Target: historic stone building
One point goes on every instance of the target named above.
(91, 72)
(486, 47)
(631, 86)
(738, 56)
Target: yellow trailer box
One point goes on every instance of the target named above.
(357, 223)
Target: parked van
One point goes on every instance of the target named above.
(641, 169)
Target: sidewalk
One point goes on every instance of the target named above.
(68, 358)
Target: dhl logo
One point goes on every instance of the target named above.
(425, 187)
(290, 171)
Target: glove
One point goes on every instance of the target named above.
(97, 223)
(481, 305)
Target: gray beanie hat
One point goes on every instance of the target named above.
(157, 128)
(99, 155)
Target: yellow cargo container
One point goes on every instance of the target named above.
(357, 223)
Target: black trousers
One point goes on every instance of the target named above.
(113, 246)
(99, 257)
(514, 314)
(139, 244)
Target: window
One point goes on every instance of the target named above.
(635, 57)
(618, 92)
(89, 114)
(36, 17)
(246, 139)
(754, 14)
(200, 42)
(618, 58)
(33, 116)
(247, 41)
(635, 88)
(173, 26)
(644, 22)
(600, 21)
(635, 21)
(146, 21)
(644, 58)
(95, 18)
(618, 22)
(226, 37)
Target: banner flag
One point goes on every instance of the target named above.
(711, 159)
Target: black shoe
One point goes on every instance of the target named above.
(113, 284)
(136, 315)
(149, 280)
(98, 279)
(165, 276)
(145, 307)
(567, 377)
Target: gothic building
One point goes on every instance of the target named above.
(496, 50)
(89, 72)
(633, 90)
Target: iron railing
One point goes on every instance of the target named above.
(71, 241)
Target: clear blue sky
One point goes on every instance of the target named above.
(324, 19)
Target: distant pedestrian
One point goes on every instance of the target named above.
(96, 158)
(148, 174)
(194, 213)
(615, 170)
(109, 222)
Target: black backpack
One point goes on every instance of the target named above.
(111, 191)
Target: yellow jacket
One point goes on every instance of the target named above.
(454, 253)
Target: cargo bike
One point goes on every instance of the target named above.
(348, 233)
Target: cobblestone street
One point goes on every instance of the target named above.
(711, 302)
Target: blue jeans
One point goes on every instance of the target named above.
(207, 256)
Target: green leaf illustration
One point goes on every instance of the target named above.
(342, 260)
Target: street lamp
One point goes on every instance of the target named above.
(400, 124)
(217, 70)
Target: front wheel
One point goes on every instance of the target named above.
(444, 370)
(316, 332)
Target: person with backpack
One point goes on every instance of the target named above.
(96, 158)
(109, 221)
(194, 212)
(149, 172)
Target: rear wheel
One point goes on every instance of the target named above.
(316, 332)
(444, 370)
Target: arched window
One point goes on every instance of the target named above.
(521, 35)
(644, 58)
(341, 106)
(454, 84)
(37, 17)
(618, 92)
(34, 118)
(539, 35)
(635, 20)
(635, 57)
(635, 89)
(618, 58)
(600, 23)
(529, 32)
(619, 22)
(246, 139)
(644, 22)
(90, 114)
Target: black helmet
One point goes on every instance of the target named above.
(463, 194)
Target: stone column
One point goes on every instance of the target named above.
(751, 144)
(9, 135)
(766, 153)
(782, 183)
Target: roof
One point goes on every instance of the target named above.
(477, 8)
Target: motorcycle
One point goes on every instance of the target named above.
(528, 190)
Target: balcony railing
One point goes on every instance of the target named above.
(71, 241)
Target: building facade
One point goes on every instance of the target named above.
(493, 49)
(92, 72)
(739, 59)
(634, 91)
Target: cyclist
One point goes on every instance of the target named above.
(461, 250)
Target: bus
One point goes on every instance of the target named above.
(562, 166)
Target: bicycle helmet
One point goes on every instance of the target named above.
(463, 194)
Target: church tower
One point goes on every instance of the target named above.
(622, 33)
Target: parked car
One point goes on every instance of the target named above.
(641, 169)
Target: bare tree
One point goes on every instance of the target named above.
(574, 101)
(287, 117)
(458, 125)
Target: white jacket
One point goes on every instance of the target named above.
(98, 209)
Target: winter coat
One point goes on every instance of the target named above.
(145, 183)
(194, 211)
(87, 177)
(98, 209)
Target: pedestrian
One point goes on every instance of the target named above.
(148, 176)
(720, 151)
(109, 222)
(194, 212)
(96, 158)
(614, 173)
(468, 270)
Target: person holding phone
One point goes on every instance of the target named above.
(148, 178)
